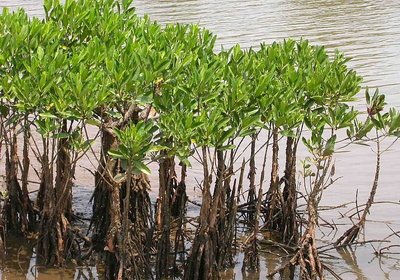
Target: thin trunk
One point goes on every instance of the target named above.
(27, 203)
(13, 187)
(227, 215)
(306, 256)
(166, 181)
(251, 200)
(47, 242)
(179, 197)
(106, 218)
(64, 175)
(56, 238)
(141, 232)
(125, 223)
(102, 196)
(113, 241)
(109, 233)
(179, 211)
(289, 231)
(251, 260)
(222, 220)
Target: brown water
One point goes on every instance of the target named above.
(366, 30)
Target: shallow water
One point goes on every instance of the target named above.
(368, 31)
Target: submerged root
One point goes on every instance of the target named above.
(201, 264)
(56, 241)
(251, 260)
(306, 258)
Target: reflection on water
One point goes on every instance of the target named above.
(350, 257)
(366, 30)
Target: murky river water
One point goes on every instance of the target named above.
(366, 30)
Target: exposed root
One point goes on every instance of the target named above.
(306, 257)
(202, 260)
(56, 242)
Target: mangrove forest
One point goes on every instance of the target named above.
(92, 79)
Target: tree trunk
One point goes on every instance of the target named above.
(251, 200)
(227, 215)
(200, 264)
(167, 183)
(56, 239)
(27, 203)
(274, 209)
(48, 245)
(16, 210)
(64, 174)
(289, 232)
(251, 258)
(179, 211)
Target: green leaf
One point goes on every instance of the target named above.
(227, 147)
(48, 115)
(40, 53)
(61, 135)
(377, 123)
(116, 154)
(140, 166)
(367, 96)
(126, 4)
(157, 148)
(330, 146)
(185, 161)
(94, 122)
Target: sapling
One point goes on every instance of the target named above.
(383, 125)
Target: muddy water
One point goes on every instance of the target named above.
(366, 30)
